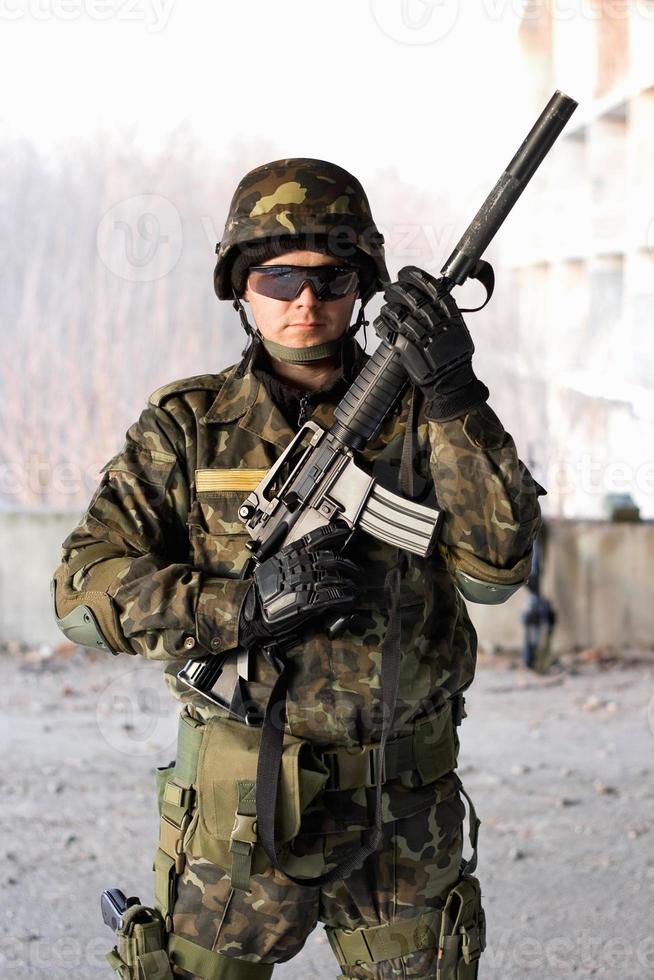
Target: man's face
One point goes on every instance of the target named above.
(305, 320)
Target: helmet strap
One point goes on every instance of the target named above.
(359, 322)
(245, 323)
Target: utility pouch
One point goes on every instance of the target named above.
(436, 744)
(176, 800)
(140, 953)
(224, 829)
(463, 932)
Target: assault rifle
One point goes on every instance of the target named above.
(326, 481)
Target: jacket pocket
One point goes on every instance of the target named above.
(218, 538)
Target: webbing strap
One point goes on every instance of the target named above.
(391, 939)
(244, 835)
(352, 768)
(114, 960)
(272, 738)
(164, 884)
(407, 474)
(467, 867)
(189, 739)
(483, 272)
(212, 965)
(178, 799)
(89, 553)
(154, 966)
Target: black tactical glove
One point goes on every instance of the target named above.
(433, 342)
(305, 579)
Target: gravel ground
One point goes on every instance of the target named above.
(560, 769)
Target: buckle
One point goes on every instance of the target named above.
(244, 830)
(349, 769)
(350, 946)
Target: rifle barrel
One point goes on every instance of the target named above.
(372, 395)
(531, 153)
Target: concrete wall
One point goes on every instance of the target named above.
(574, 277)
(30, 546)
(597, 574)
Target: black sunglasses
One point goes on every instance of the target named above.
(287, 281)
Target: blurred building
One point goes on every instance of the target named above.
(580, 247)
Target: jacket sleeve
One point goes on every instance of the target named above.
(127, 560)
(488, 496)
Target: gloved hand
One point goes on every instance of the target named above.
(305, 579)
(433, 342)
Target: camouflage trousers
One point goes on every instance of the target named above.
(411, 873)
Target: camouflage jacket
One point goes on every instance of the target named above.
(158, 555)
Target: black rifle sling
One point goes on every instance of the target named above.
(272, 738)
(483, 272)
(407, 472)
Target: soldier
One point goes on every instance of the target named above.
(158, 566)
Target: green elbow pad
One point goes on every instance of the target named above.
(489, 593)
(80, 625)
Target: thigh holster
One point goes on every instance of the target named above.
(140, 951)
(463, 932)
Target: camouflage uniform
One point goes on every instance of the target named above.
(168, 566)
(158, 558)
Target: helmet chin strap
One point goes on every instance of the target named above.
(298, 355)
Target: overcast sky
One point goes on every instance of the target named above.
(422, 87)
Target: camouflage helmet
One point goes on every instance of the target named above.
(302, 203)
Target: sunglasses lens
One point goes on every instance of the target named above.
(286, 281)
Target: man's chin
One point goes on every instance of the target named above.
(298, 336)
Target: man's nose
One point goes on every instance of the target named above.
(306, 296)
